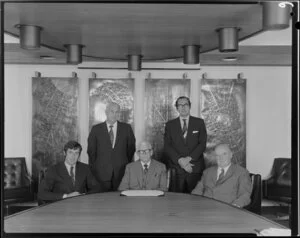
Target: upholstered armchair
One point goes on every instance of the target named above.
(17, 182)
(278, 185)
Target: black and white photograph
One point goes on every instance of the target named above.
(149, 117)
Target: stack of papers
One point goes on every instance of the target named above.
(275, 232)
(154, 193)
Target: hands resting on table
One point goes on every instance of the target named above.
(184, 163)
(73, 194)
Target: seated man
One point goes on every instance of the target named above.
(145, 173)
(226, 182)
(69, 178)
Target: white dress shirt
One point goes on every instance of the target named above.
(148, 163)
(187, 121)
(225, 170)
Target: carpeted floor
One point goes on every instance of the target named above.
(276, 213)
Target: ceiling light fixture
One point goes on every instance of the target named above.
(30, 36)
(275, 17)
(74, 53)
(47, 57)
(228, 39)
(191, 54)
(229, 58)
(134, 62)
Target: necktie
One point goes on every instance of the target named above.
(221, 175)
(145, 168)
(72, 174)
(111, 135)
(184, 128)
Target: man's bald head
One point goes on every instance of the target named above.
(112, 112)
(223, 155)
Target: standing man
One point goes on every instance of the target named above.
(111, 145)
(184, 144)
(69, 178)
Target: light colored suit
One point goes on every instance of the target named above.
(234, 188)
(135, 178)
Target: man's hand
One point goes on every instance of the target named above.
(184, 161)
(188, 168)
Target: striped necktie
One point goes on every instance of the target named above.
(145, 168)
(111, 135)
(72, 174)
(184, 128)
(221, 175)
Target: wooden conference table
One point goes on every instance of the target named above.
(110, 212)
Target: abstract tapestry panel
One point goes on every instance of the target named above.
(54, 119)
(223, 108)
(161, 95)
(102, 91)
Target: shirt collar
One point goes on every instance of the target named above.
(148, 163)
(69, 167)
(187, 118)
(108, 125)
(225, 168)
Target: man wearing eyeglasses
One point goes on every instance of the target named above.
(145, 173)
(184, 143)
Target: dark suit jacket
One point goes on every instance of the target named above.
(175, 146)
(58, 182)
(105, 160)
(235, 187)
(134, 177)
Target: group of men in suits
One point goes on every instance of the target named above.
(111, 147)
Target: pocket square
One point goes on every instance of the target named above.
(195, 132)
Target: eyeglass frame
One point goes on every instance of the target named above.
(143, 152)
(183, 105)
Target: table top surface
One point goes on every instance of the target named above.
(110, 212)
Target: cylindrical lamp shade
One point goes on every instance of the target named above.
(228, 39)
(74, 54)
(191, 54)
(134, 62)
(274, 16)
(30, 37)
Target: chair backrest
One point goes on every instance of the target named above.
(17, 182)
(171, 173)
(15, 173)
(256, 195)
(282, 169)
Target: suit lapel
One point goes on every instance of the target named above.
(151, 171)
(215, 174)
(179, 129)
(190, 128)
(139, 171)
(227, 175)
(65, 175)
(78, 177)
(105, 132)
